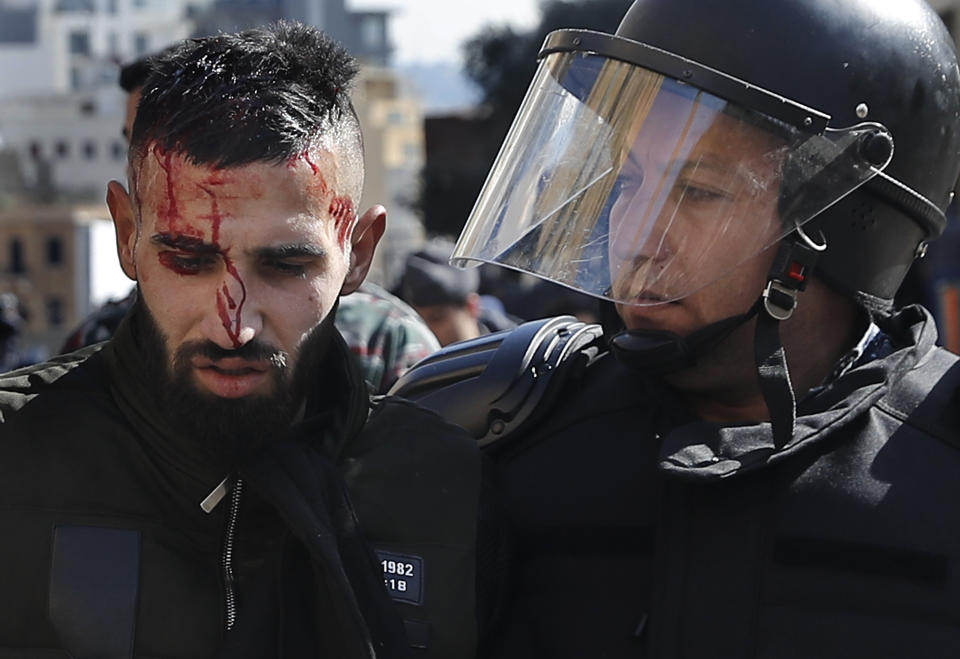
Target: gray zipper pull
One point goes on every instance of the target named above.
(216, 496)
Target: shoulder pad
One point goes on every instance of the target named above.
(496, 384)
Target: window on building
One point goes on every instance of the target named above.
(140, 4)
(76, 78)
(79, 42)
(54, 311)
(18, 264)
(395, 118)
(411, 152)
(62, 148)
(141, 43)
(88, 107)
(89, 149)
(36, 150)
(54, 250)
(111, 6)
(75, 5)
(118, 150)
(372, 32)
(113, 43)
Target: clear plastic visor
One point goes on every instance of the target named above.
(640, 189)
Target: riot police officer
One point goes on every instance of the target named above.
(759, 456)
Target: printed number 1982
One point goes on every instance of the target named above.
(398, 568)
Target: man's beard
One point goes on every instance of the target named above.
(230, 428)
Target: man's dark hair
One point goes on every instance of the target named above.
(134, 74)
(256, 96)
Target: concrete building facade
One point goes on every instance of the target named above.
(363, 33)
(53, 258)
(393, 133)
(60, 118)
(60, 107)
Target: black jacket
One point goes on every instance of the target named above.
(106, 551)
(643, 533)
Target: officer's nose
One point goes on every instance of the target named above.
(236, 318)
(643, 228)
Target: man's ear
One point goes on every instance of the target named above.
(363, 243)
(124, 225)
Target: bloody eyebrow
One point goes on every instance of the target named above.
(293, 250)
(184, 243)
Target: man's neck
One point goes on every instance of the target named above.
(725, 387)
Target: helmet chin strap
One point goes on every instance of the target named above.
(657, 352)
(788, 276)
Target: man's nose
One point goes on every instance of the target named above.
(235, 319)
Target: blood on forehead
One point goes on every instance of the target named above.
(177, 192)
(167, 195)
(340, 206)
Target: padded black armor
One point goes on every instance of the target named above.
(500, 383)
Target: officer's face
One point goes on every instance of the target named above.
(680, 213)
(238, 266)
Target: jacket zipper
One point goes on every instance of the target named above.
(226, 563)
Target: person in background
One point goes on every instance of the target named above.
(446, 297)
(131, 79)
(100, 324)
(385, 335)
(215, 480)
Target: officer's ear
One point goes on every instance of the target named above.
(124, 225)
(363, 243)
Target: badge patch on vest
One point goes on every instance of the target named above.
(403, 576)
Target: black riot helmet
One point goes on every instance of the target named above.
(822, 91)
(855, 60)
(647, 165)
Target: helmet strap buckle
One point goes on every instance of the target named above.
(789, 273)
(788, 276)
(779, 300)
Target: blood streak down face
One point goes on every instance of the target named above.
(254, 254)
(341, 207)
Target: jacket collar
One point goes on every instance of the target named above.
(705, 451)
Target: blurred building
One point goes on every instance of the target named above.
(60, 117)
(60, 108)
(53, 258)
(459, 146)
(392, 121)
(11, 178)
(363, 33)
(61, 112)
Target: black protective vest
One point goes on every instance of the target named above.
(642, 533)
(414, 481)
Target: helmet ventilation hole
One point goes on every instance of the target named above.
(863, 217)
